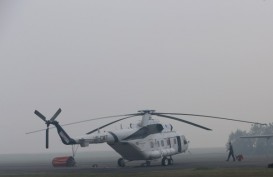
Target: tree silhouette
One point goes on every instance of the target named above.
(253, 146)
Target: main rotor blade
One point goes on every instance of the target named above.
(110, 124)
(56, 114)
(87, 120)
(106, 117)
(181, 120)
(40, 115)
(213, 117)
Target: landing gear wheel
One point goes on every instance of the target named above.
(121, 162)
(170, 161)
(165, 161)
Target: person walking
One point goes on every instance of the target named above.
(231, 152)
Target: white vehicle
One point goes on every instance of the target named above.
(146, 140)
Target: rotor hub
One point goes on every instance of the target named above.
(146, 111)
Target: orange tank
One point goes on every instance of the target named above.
(67, 161)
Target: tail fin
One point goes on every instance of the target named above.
(63, 135)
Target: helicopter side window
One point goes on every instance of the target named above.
(185, 141)
(152, 144)
(174, 141)
(162, 142)
(168, 141)
(158, 144)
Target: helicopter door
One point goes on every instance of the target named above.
(169, 143)
(152, 144)
(179, 144)
(157, 144)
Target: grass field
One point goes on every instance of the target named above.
(196, 172)
(199, 163)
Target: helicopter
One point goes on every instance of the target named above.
(146, 140)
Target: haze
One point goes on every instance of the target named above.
(100, 58)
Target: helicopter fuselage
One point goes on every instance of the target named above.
(152, 147)
(148, 142)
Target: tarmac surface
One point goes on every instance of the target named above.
(108, 164)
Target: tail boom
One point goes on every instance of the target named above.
(63, 135)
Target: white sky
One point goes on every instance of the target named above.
(100, 58)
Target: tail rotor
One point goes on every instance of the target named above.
(48, 122)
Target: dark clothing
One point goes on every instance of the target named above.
(231, 153)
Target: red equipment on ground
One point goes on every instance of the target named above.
(67, 161)
(239, 157)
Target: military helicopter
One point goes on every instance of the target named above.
(145, 140)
